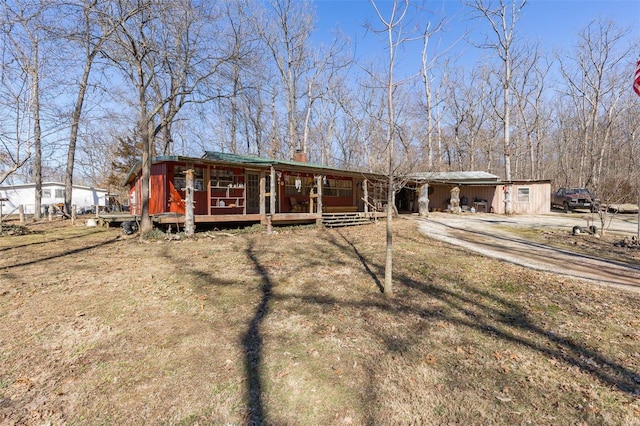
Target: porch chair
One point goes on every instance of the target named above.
(296, 207)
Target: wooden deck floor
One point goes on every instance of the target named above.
(175, 218)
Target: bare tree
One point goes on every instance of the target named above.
(529, 90)
(470, 98)
(365, 112)
(89, 36)
(502, 20)
(24, 30)
(160, 49)
(15, 139)
(285, 33)
(594, 79)
(393, 33)
(431, 104)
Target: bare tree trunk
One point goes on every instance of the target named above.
(37, 145)
(427, 92)
(91, 49)
(37, 130)
(145, 222)
(502, 21)
(73, 138)
(390, 27)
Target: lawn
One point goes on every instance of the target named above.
(292, 329)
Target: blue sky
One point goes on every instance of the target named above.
(552, 22)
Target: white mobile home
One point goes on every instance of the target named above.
(83, 197)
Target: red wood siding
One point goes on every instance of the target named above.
(158, 196)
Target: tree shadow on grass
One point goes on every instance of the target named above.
(499, 318)
(252, 339)
(511, 320)
(505, 320)
(48, 240)
(63, 254)
(252, 343)
(362, 260)
(467, 307)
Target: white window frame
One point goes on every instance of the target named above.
(524, 195)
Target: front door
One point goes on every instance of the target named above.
(253, 192)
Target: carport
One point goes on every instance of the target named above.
(479, 191)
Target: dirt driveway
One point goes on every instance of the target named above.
(496, 236)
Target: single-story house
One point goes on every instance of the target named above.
(480, 191)
(83, 197)
(230, 188)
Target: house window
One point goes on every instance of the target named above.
(59, 193)
(46, 193)
(180, 182)
(523, 195)
(337, 188)
(297, 185)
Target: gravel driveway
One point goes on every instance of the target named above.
(485, 234)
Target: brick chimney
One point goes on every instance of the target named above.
(300, 156)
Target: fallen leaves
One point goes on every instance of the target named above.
(24, 381)
(430, 359)
(504, 398)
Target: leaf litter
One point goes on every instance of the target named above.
(292, 328)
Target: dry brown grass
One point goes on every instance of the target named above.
(291, 328)
(601, 246)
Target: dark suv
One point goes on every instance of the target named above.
(575, 198)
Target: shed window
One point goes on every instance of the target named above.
(46, 193)
(59, 193)
(523, 195)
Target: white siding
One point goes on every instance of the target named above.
(83, 197)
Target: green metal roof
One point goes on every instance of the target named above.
(249, 160)
(246, 160)
(463, 177)
(235, 158)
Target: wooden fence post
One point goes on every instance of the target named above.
(21, 212)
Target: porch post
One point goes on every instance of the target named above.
(319, 201)
(423, 200)
(207, 181)
(272, 190)
(189, 222)
(263, 195)
(365, 190)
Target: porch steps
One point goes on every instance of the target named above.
(335, 220)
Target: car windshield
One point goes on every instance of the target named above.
(578, 191)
